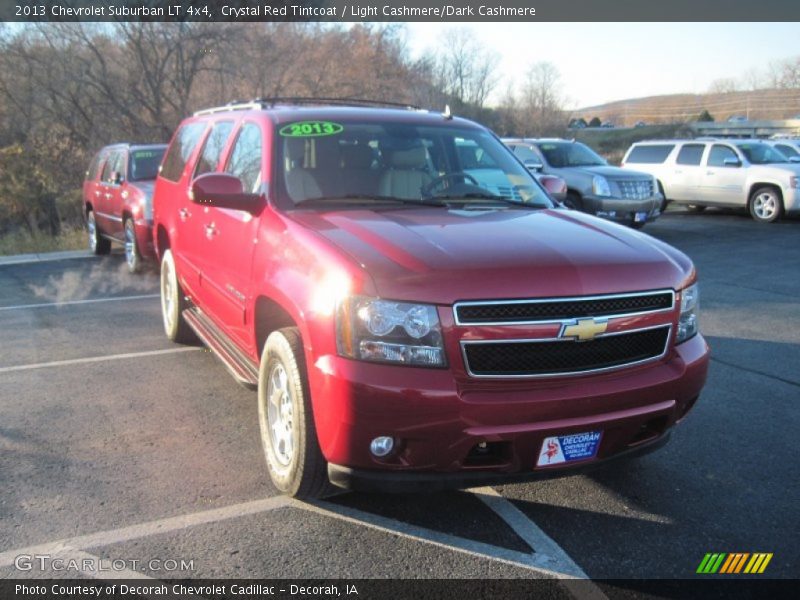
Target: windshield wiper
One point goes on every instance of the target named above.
(367, 198)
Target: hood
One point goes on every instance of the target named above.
(609, 172)
(442, 255)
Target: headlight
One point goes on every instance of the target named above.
(386, 331)
(687, 323)
(600, 186)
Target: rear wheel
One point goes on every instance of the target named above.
(766, 205)
(288, 435)
(132, 256)
(97, 243)
(173, 303)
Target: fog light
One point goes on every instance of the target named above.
(381, 446)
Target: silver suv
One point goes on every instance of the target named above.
(715, 172)
(593, 186)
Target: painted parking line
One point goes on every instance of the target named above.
(134, 532)
(72, 302)
(96, 359)
(575, 580)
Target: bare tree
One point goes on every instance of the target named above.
(466, 71)
(542, 99)
(723, 86)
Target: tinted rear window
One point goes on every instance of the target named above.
(652, 154)
(690, 154)
(215, 142)
(144, 163)
(94, 167)
(183, 145)
(787, 150)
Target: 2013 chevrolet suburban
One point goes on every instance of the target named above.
(411, 322)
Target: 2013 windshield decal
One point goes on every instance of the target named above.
(310, 129)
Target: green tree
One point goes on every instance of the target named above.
(595, 122)
(705, 117)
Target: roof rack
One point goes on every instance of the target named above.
(261, 103)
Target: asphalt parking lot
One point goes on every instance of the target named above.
(116, 444)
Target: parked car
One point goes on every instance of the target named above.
(789, 147)
(409, 322)
(715, 172)
(593, 186)
(737, 119)
(117, 200)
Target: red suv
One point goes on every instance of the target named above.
(409, 321)
(117, 200)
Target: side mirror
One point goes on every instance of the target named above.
(731, 162)
(555, 186)
(222, 190)
(117, 178)
(533, 165)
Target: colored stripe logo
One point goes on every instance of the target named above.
(734, 563)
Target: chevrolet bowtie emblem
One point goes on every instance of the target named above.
(584, 329)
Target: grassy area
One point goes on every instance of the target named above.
(22, 242)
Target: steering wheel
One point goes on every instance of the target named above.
(427, 189)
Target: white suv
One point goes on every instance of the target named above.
(736, 172)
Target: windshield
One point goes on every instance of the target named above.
(144, 163)
(761, 154)
(570, 154)
(376, 162)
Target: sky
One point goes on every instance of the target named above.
(602, 62)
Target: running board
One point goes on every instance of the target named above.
(243, 369)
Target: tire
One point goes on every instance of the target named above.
(133, 257)
(637, 224)
(695, 208)
(98, 245)
(765, 205)
(173, 303)
(573, 201)
(286, 420)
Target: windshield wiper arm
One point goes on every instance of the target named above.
(368, 198)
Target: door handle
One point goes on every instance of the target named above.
(211, 230)
(184, 214)
(678, 172)
(108, 196)
(709, 172)
(97, 193)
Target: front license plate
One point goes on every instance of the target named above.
(640, 217)
(569, 448)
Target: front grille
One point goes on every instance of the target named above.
(550, 310)
(558, 357)
(636, 189)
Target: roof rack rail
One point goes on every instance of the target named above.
(260, 103)
(229, 107)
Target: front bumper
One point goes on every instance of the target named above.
(621, 210)
(440, 420)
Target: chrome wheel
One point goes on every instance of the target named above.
(168, 300)
(765, 206)
(130, 248)
(91, 225)
(280, 415)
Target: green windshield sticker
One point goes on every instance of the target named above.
(310, 129)
(145, 154)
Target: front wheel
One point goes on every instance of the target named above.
(288, 435)
(133, 257)
(573, 201)
(173, 303)
(766, 205)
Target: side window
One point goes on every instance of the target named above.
(183, 145)
(94, 166)
(214, 144)
(245, 158)
(690, 154)
(112, 164)
(526, 153)
(650, 154)
(718, 155)
(787, 150)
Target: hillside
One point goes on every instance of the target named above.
(679, 108)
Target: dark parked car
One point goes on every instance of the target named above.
(118, 200)
(413, 309)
